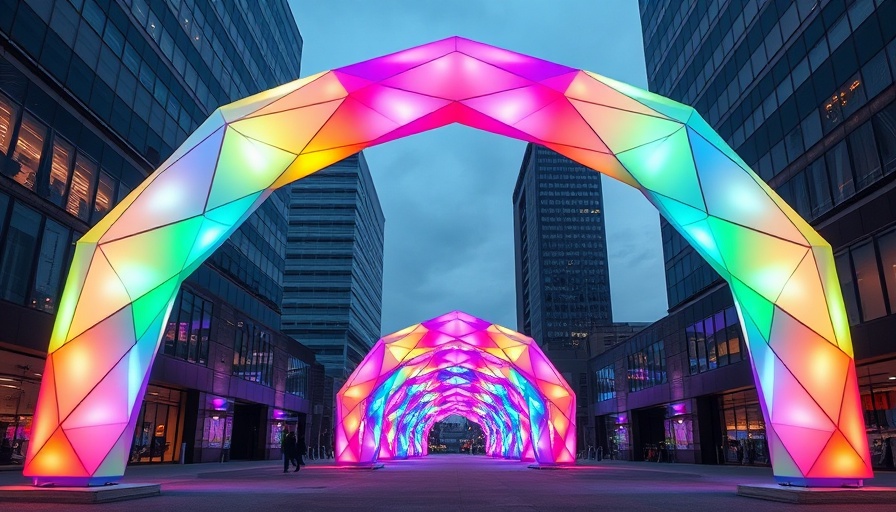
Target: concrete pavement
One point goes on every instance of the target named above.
(447, 483)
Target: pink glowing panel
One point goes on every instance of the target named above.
(127, 269)
(455, 364)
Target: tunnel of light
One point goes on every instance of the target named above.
(127, 269)
(455, 364)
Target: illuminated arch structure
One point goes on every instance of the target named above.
(456, 364)
(128, 268)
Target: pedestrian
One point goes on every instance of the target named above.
(289, 448)
(301, 449)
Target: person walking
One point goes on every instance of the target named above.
(301, 449)
(288, 447)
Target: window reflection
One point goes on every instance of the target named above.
(105, 191)
(847, 286)
(82, 188)
(187, 334)
(18, 253)
(50, 264)
(29, 146)
(841, 172)
(887, 244)
(8, 114)
(868, 282)
(60, 169)
(714, 341)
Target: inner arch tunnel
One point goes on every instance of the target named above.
(463, 365)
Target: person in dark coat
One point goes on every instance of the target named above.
(288, 447)
(301, 449)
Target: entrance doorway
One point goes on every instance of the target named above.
(744, 429)
(248, 440)
(650, 435)
(157, 436)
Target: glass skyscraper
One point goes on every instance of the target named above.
(333, 282)
(804, 91)
(562, 275)
(563, 283)
(94, 94)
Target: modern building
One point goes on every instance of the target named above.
(562, 275)
(804, 92)
(94, 94)
(333, 281)
(333, 278)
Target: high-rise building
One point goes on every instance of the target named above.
(804, 91)
(94, 94)
(562, 276)
(333, 283)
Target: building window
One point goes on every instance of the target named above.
(50, 264)
(29, 147)
(18, 253)
(847, 287)
(189, 326)
(647, 367)
(253, 356)
(840, 172)
(297, 377)
(867, 279)
(887, 245)
(864, 156)
(105, 191)
(9, 112)
(606, 383)
(714, 341)
(82, 188)
(60, 170)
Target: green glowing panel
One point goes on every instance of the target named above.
(665, 167)
(245, 166)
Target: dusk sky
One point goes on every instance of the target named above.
(446, 194)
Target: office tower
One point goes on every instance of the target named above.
(94, 94)
(333, 283)
(562, 276)
(803, 91)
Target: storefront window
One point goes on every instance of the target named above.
(744, 429)
(157, 437)
(879, 406)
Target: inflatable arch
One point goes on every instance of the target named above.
(456, 364)
(128, 268)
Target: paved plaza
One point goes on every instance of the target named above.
(450, 483)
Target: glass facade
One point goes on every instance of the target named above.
(189, 325)
(804, 91)
(714, 342)
(563, 284)
(646, 367)
(333, 281)
(793, 86)
(94, 94)
(744, 429)
(158, 433)
(606, 383)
